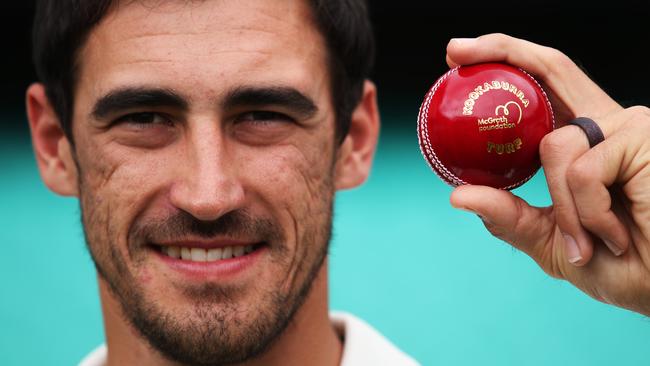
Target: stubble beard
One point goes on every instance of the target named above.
(212, 331)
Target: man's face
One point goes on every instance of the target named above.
(205, 130)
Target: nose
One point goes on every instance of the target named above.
(208, 185)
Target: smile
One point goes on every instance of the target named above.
(207, 255)
(212, 260)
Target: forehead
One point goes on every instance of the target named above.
(208, 44)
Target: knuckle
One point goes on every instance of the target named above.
(590, 220)
(636, 121)
(497, 37)
(499, 40)
(558, 65)
(558, 58)
(555, 144)
(640, 112)
(578, 174)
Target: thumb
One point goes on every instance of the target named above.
(509, 218)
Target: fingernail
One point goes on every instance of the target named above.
(572, 249)
(613, 247)
(463, 41)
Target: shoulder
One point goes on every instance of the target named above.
(364, 345)
(95, 358)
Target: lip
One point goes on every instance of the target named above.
(224, 270)
(205, 244)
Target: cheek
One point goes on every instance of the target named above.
(297, 189)
(115, 187)
(291, 176)
(295, 186)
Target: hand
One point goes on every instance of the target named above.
(597, 232)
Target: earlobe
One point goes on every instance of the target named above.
(356, 153)
(54, 155)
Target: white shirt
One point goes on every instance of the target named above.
(363, 345)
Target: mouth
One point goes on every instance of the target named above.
(191, 253)
(221, 260)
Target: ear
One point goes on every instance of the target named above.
(354, 158)
(51, 147)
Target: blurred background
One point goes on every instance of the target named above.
(428, 277)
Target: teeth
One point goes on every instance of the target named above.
(227, 253)
(174, 252)
(209, 255)
(214, 254)
(198, 254)
(237, 251)
(186, 253)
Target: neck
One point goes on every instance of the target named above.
(309, 339)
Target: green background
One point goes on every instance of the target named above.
(428, 277)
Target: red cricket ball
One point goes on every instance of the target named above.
(482, 124)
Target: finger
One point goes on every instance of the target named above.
(556, 70)
(558, 150)
(613, 160)
(509, 218)
(451, 63)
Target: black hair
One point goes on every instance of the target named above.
(62, 26)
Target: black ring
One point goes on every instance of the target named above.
(591, 129)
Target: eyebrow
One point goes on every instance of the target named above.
(136, 97)
(266, 96)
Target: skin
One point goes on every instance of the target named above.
(208, 160)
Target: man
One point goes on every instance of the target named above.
(205, 141)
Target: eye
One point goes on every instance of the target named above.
(263, 117)
(144, 120)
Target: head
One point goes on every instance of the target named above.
(214, 131)
(61, 29)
